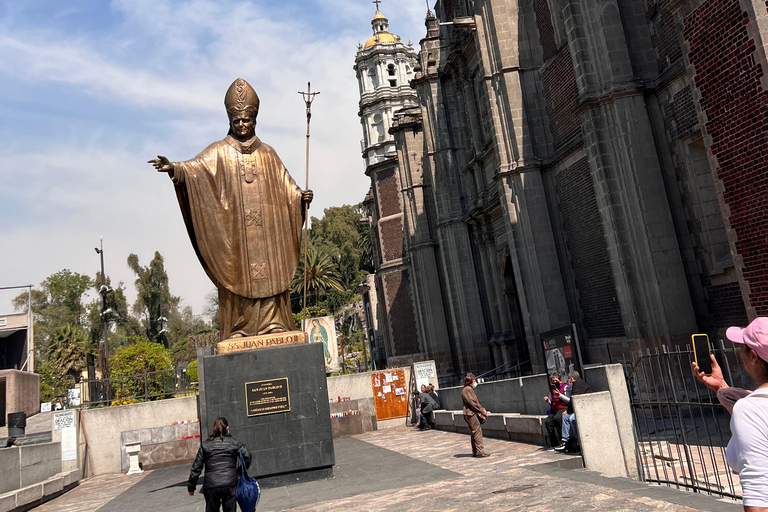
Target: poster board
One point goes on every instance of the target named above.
(322, 329)
(390, 394)
(424, 373)
(561, 352)
(65, 421)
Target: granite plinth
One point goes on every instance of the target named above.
(287, 447)
(262, 341)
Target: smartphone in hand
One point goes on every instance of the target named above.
(701, 353)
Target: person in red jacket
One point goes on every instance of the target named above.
(558, 406)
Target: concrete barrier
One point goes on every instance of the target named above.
(9, 462)
(599, 434)
(611, 378)
(525, 428)
(105, 426)
(22, 392)
(444, 420)
(39, 462)
(523, 395)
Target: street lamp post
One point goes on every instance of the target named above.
(103, 290)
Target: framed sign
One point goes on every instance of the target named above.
(323, 330)
(561, 352)
(267, 397)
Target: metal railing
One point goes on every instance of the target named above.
(141, 387)
(681, 430)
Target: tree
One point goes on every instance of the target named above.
(68, 351)
(58, 302)
(312, 312)
(365, 244)
(212, 308)
(338, 234)
(154, 300)
(322, 275)
(130, 364)
(122, 324)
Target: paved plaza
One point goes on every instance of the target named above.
(400, 469)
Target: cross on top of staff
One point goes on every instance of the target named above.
(377, 2)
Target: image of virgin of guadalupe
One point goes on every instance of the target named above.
(319, 334)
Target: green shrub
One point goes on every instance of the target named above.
(129, 364)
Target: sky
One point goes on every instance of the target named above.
(90, 90)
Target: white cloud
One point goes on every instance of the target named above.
(176, 58)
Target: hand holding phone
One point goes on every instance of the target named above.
(701, 353)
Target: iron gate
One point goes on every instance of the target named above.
(681, 430)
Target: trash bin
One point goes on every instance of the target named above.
(17, 422)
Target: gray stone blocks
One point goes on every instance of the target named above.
(9, 461)
(7, 503)
(39, 462)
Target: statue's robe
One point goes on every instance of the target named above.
(244, 215)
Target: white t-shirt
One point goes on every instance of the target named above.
(747, 451)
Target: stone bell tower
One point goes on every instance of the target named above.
(384, 67)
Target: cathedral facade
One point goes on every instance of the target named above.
(596, 163)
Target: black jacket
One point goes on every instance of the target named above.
(579, 387)
(221, 460)
(428, 404)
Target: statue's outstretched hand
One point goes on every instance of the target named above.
(307, 196)
(162, 164)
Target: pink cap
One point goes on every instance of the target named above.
(755, 336)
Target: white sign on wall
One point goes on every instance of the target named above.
(65, 421)
(62, 420)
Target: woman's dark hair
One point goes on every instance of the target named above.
(468, 380)
(219, 428)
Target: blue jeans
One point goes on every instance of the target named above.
(569, 424)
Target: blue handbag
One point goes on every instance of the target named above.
(248, 492)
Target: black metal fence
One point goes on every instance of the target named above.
(142, 387)
(681, 429)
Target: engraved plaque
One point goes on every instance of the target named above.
(267, 397)
(262, 341)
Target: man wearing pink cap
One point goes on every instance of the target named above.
(747, 451)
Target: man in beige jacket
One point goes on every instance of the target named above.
(472, 410)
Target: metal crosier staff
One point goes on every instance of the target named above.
(308, 98)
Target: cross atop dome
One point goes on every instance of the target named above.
(377, 2)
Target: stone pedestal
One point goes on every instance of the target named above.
(132, 450)
(285, 421)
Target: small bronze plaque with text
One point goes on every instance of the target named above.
(267, 397)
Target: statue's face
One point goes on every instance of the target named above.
(243, 126)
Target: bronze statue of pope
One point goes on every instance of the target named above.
(244, 215)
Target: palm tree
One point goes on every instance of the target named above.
(365, 244)
(68, 350)
(322, 275)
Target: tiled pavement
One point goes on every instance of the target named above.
(400, 469)
(91, 494)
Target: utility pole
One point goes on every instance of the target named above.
(308, 98)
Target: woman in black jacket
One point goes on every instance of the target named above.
(220, 456)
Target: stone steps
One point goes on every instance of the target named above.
(36, 494)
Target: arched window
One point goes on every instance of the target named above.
(392, 75)
(374, 78)
(378, 127)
